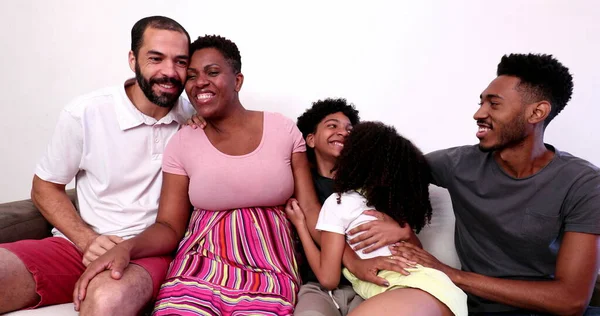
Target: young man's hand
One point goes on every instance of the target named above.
(422, 257)
(367, 269)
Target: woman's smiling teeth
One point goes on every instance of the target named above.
(204, 96)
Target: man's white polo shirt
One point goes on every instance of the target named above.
(115, 151)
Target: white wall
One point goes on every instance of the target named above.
(419, 65)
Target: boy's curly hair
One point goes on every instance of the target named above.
(388, 170)
(307, 122)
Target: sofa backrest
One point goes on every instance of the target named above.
(438, 236)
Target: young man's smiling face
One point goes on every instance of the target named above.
(502, 115)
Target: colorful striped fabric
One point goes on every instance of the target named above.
(237, 262)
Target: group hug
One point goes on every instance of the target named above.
(205, 207)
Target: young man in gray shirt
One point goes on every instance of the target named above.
(527, 214)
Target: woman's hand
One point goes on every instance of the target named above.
(196, 121)
(295, 213)
(116, 260)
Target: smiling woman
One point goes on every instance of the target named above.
(237, 254)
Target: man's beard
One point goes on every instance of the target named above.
(511, 134)
(165, 100)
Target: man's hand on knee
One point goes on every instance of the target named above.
(115, 260)
(99, 246)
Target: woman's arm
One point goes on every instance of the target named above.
(164, 235)
(304, 191)
(160, 238)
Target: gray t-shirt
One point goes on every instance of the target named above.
(512, 228)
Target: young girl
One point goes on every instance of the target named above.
(379, 169)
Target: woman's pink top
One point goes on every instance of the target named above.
(222, 182)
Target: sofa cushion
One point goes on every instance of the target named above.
(22, 220)
(438, 236)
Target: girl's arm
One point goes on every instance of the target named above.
(327, 263)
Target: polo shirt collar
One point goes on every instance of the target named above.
(129, 116)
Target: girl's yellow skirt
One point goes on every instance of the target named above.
(432, 281)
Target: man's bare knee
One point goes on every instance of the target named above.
(17, 286)
(127, 296)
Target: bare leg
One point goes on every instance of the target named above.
(127, 296)
(402, 302)
(17, 286)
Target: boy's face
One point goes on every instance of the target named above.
(329, 136)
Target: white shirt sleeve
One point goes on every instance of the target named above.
(61, 162)
(336, 217)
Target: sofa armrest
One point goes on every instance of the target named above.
(22, 220)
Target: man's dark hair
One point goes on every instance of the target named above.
(309, 120)
(388, 170)
(542, 78)
(226, 47)
(156, 22)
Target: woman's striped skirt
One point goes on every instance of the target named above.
(237, 262)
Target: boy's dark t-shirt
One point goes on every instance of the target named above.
(323, 186)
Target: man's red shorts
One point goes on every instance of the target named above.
(56, 265)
